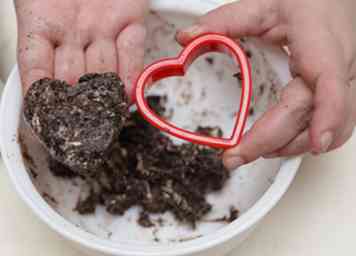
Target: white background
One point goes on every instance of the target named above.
(316, 217)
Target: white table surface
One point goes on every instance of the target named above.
(316, 217)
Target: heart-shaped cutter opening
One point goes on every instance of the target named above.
(177, 67)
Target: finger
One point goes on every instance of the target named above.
(35, 58)
(131, 49)
(69, 63)
(343, 139)
(349, 123)
(299, 145)
(243, 18)
(101, 57)
(324, 68)
(283, 122)
(332, 110)
(348, 131)
(276, 35)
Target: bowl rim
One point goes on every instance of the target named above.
(32, 198)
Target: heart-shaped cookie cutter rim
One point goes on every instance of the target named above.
(177, 67)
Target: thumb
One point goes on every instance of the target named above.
(243, 18)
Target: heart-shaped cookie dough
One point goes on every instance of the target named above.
(78, 124)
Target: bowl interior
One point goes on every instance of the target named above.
(207, 95)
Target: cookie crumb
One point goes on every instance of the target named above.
(210, 60)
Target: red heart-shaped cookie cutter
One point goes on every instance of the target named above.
(177, 67)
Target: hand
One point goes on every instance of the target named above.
(65, 39)
(317, 109)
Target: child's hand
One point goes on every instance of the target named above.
(64, 39)
(317, 109)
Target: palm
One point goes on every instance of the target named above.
(64, 39)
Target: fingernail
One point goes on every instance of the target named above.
(326, 141)
(233, 162)
(193, 30)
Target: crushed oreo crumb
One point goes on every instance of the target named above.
(248, 54)
(157, 103)
(34, 174)
(144, 220)
(238, 75)
(210, 60)
(234, 215)
(210, 131)
(87, 205)
(262, 89)
(60, 170)
(49, 198)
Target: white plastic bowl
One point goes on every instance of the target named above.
(219, 242)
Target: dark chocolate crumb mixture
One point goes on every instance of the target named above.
(248, 54)
(78, 124)
(210, 131)
(125, 161)
(145, 168)
(210, 60)
(60, 170)
(145, 221)
(148, 170)
(49, 198)
(238, 75)
(233, 215)
(87, 205)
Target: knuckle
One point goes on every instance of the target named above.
(299, 109)
(132, 36)
(298, 94)
(303, 116)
